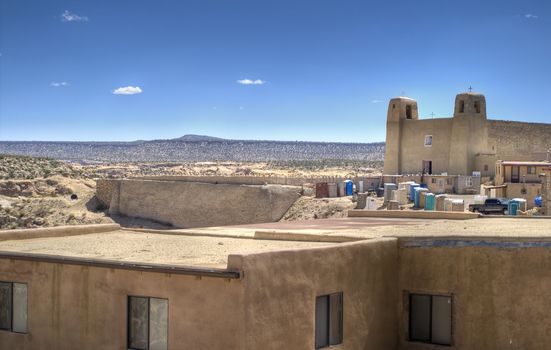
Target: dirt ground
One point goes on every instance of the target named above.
(40, 192)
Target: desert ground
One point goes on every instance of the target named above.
(41, 192)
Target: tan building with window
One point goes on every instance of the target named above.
(466, 143)
(517, 179)
(342, 286)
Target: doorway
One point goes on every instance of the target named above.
(515, 174)
(427, 167)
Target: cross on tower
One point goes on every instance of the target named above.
(470, 89)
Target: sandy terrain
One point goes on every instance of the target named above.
(37, 192)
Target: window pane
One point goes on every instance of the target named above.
(20, 307)
(158, 324)
(5, 305)
(336, 314)
(441, 320)
(322, 321)
(419, 317)
(137, 322)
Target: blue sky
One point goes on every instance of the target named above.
(318, 70)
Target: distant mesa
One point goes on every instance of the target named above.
(191, 137)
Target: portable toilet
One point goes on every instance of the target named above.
(448, 204)
(389, 187)
(402, 196)
(332, 190)
(440, 201)
(412, 188)
(538, 201)
(349, 187)
(513, 207)
(322, 191)
(341, 189)
(371, 203)
(422, 195)
(521, 203)
(417, 199)
(361, 186)
(429, 201)
(458, 205)
(423, 185)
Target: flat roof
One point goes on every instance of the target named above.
(156, 248)
(372, 227)
(197, 250)
(531, 163)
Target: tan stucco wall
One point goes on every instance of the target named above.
(518, 140)
(462, 144)
(281, 289)
(414, 151)
(193, 204)
(501, 295)
(272, 307)
(82, 307)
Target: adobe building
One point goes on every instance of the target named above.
(466, 143)
(352, 283)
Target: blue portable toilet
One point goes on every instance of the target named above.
(423, 185)
(349, 187)
(513, 207)
(430, 201)
(538, 201)
(412, 188)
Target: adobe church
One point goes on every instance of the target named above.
(460, 145)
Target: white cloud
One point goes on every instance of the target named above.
(128, 90)
(251, 82)
(67, 16)
(530, 16)
(377, 101)
(60, 83)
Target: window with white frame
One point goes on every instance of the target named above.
(13, 307)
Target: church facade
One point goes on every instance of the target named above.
(465, 143)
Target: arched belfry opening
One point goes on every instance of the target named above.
(408, 112)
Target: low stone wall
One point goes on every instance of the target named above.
(104, 191)
(105, 187)
(194, 204)
(58, 231)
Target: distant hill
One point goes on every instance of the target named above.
(191, 137)
(197, 148)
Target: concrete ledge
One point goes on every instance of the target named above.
(127, 265)
(304, 237)
(56, 231)
(412, 214)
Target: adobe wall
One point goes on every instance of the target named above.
(518, 140)
(194, 204)
(413, 151)
(500, 289)
(281, 289)
(83, 307)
